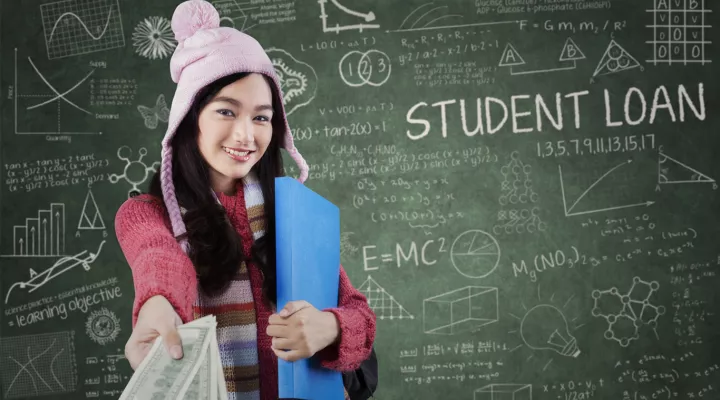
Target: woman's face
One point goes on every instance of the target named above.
(235, 130)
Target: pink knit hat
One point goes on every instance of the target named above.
(205, 53)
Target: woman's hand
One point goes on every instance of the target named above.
(157, 317)
(302, 330)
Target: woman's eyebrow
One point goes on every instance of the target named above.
(227, 100)
(238, 103)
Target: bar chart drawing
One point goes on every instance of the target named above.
(42, 235)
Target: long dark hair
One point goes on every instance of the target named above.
(215, 247)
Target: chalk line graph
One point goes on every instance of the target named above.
(56, 96)
(427, 17)
(36, 365)
(73, 15)
(365, 16)
(59, 96)
(74, 28)
(569, 211)
(36, 281)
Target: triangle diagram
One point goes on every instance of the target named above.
(381, 302)
(671, 171)
(510, 57)
(615, 59)
(571, 51)
(90, 217)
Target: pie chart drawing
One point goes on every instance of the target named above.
(475, 254)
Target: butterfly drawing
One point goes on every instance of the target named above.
(159, 112)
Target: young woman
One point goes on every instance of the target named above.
(202, 240)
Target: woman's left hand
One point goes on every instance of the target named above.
(300, 330)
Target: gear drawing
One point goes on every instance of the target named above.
(298, 80)
(293, 82)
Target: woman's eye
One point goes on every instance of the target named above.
(263, 118)
(225, 112)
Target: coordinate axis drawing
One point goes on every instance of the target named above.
(55, 97)
(365, 16)
(569, 211)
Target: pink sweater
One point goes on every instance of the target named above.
(160, 267)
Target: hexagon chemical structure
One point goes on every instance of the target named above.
(631, 308)
(135, 172)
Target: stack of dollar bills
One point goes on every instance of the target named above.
(198, 375)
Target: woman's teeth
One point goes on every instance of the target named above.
(235, 152)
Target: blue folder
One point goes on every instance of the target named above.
(307, 229)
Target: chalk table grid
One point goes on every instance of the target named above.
(679, 32)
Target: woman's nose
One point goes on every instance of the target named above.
(243, 132)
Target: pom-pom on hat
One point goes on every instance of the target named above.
(206, 52)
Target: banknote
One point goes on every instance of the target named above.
(198, 375)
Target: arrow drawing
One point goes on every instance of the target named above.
(569, 211)
(36, 280)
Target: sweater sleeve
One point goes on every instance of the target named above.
(357, 329)
(158, 264)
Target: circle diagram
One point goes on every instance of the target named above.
(365, 68)
(102, 326)
(136, 172)
(475, 254)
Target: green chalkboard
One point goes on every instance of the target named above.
(528, 188)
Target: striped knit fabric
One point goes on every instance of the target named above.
(234, 310)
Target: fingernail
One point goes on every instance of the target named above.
(283, 312)
(176, 352)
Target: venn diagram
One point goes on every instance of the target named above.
(359, 68)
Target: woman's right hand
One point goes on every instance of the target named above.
(156, 317)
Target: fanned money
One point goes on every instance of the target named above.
(198, 375)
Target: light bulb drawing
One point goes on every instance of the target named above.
(544, 327)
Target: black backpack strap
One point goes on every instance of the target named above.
(362, 383)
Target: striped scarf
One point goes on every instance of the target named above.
(235, 312)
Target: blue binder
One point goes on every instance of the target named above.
(307, 229)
